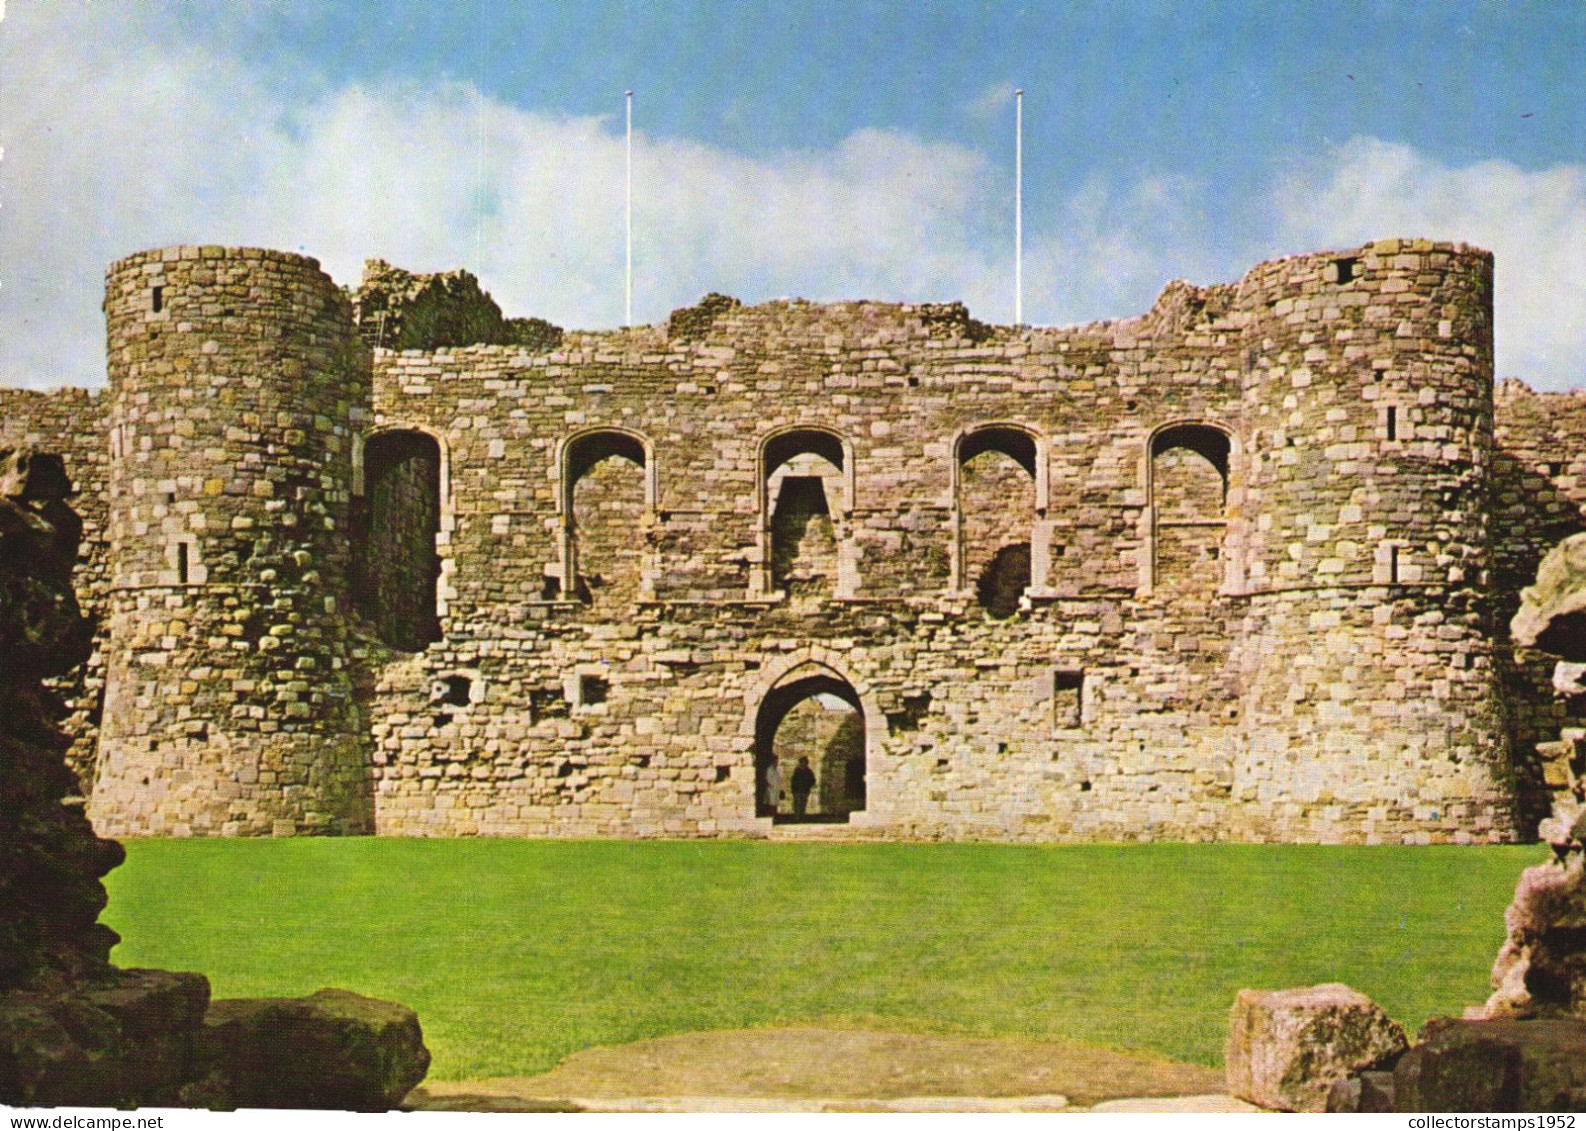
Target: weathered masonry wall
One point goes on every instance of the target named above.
(1538, 500)
(1236, 569)
(237, 384)
(72, 423)
(1163, 678)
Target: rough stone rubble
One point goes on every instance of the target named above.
(75, 1030)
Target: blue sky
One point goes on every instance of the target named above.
(822, 150)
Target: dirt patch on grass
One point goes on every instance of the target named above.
(810, 1063)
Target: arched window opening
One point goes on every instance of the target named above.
(804, 500)
(1014, 443)
(604, 519)
(803, 537)
(810, 752)
(398, 567)
(1189, 503)
(1189, 467)
(998, 506)
(1002, 583)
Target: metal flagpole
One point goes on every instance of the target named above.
(1018, 208)
(627, 287)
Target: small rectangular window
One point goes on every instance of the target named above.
(181, 563)
(1393, 422)
(592, 689)
(1068, 698)
(157, 299)
(1346, 269)
(1393, 565)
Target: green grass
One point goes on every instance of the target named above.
(517, 953)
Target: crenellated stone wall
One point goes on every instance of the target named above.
(1236, 568)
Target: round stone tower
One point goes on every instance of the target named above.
(236, 379)
(1371, 705)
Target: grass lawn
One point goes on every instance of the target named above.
(516, 953)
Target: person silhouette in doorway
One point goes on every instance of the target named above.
(803, 782)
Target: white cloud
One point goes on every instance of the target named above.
(992, 102)
(118, 136)
(1534, 222)
(134, 143)
(137, 141)
(1113, 247)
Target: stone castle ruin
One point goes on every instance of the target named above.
(1238, 568)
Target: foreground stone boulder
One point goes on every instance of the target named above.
(151, 1037)
(1552, 613)
(1371, 1091)
(1478, 1065)
(1286, 1048)
(123, 1039)
(1540, 970)
(333, 1049)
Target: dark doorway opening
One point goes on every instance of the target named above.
(810, 741)
(397, 567)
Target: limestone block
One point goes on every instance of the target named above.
(1550, 616)
(1485, 1065)
(123, 1039)
(1541, 967)
(333, 1049)
(1286, 1048)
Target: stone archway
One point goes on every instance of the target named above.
(813, 717)
(805, 492)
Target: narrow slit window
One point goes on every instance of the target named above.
(1393, 423)
(157, 299)
(1393, 565)
(181, 563)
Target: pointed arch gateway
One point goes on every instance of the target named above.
(810, 717)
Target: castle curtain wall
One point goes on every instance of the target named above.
(1326, 665)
